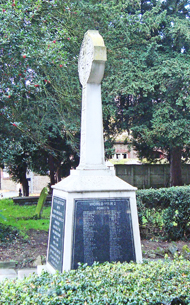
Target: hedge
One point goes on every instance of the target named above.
(165, 211)
(154, 282)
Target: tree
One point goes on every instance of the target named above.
(146, 82)
(19, 153)
(32, 58)
(39, 79)
(153, 85)
(14, 153)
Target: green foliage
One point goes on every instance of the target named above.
(146, 83)
(155, 282)
(1, 216)
(35, 100)
(7, 233)
(153, 81)
(167, 210)
(185, 248)
(41, 200)
(21, 217)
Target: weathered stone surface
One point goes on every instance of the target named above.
(92, 51)
(10, 264)
(151, 254)
(26, 272)
(5, 271)
(91, 67)
(173, 249)
(38, 261)
(160, 251)
(7, 274)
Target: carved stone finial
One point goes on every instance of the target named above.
(92, 58)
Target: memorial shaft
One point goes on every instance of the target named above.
(92, 144)
(94, 213)
(91, 69)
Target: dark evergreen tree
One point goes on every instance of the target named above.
(146, 82)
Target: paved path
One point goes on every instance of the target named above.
(7, 194)
(16, 274)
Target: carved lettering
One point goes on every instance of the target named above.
(56, 240)
(103, 231)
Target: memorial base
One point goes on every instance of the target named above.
(93, 218)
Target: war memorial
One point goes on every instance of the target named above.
(94, 213)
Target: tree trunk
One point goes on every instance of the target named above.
(25, 186)
(58, 174)
(52, 171)
(175, 167)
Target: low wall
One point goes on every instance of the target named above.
(31, 200)
(8, 184)
(149, 175)
(36, 184)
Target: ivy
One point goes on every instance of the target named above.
(158, 282)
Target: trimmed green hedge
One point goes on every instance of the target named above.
(158, 282)
(165, 211)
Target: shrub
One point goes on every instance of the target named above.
(7, 233)
(166, 211)
(155, 282)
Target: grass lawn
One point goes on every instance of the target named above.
(21, 217)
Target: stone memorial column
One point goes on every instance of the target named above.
(91, 67)
(94, 213)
